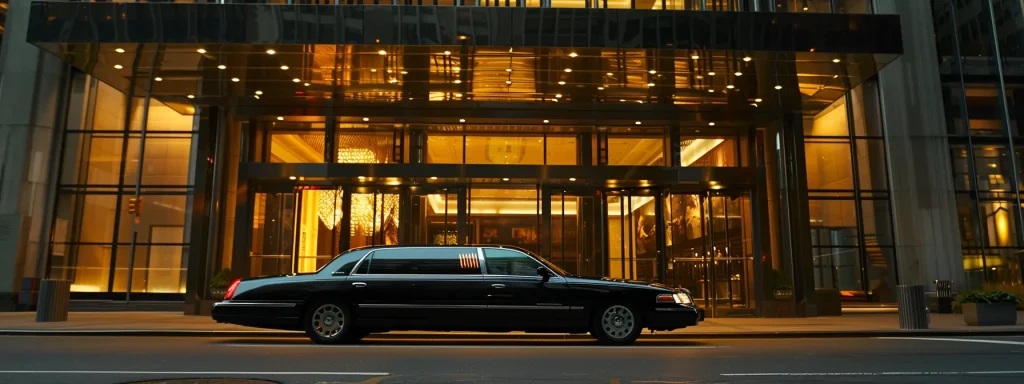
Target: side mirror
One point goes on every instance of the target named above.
(544, 274)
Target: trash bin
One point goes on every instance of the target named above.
(944, 296)
(912, 307)
(54, 299)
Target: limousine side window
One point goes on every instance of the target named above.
(346, 262)
(424, 261)
(509, 262)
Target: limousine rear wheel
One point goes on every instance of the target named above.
(617, 324)
(330, 323)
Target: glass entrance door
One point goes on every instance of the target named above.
(295, 232)
(568, 238)
(632, 237)
(708, 248)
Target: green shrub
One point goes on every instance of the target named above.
(989, 297)
(222, 279)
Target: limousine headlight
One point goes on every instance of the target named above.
(678, 298)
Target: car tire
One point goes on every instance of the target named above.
(616, 324)
(330, 322)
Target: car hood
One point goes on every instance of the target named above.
(608, 281)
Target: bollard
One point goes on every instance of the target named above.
(54, 300)
(913, 310)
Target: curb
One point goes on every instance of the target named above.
(442, 336)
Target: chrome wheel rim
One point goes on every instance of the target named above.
(618, 322)
(328, 320)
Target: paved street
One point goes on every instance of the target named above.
(49, 359)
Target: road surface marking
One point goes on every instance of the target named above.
(434, 346)
(922, 373)
(959, 340)
(210, 373)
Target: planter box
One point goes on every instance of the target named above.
(990, 314)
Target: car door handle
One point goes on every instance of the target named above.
(359, 284)
(498, 286)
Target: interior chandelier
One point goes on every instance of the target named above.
(329, 207)
(371, 210)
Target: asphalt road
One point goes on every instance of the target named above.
(51, 359)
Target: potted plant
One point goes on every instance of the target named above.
(219, 284)
(989, 307)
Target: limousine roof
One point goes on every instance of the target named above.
(366, 247)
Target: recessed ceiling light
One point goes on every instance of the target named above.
(650, 84)
(609, 74)
(284, 67)
(568, 70)
(256, 96)
(405, 72)
(545, 121)
(159, 79)
(258, 92)
(638, 123)
(382, 52)
(835, 76)
(393, 81)
(757, 100)
(738, 73)
(600, 88)
(305, 84)
(504, 179)
(805, 8)
(366, 119)
(558, 95)
(462, 120)
(447, 53)
(374, 70)
(699, 77)
(235, 79)
(200, 50)
(573, 54)
(695, 56)
(119, 50)
(572, 179)
(509, 82)
(652, 71)
(778, 86)
(191, 96)
(747, 58)
(361, 178)
(296, 80)
(271, 51)
(389, 71)
(279, 118)
(117, 66)
(222, 66)
(639, 101)
(836, 60)
(433, 178)
(711, 91)
(712, 73)
(561, 83)
(292, 177)
(458, 95)
(730, 86)
(508, 69)
(711, 124)
(622, 100)
(456, 69)
(457, 81)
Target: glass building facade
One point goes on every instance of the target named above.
(738, 148)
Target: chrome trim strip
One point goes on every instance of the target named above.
(360, 263)
(530, 307)
(422, 306)
(669, 309)
(253, 304)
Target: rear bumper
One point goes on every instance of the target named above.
(273, 315)
(674, 317)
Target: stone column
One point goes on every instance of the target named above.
(923, 201)
(32, 96)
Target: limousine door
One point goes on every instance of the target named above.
(518, 297)
(421, 288)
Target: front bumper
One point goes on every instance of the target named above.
(666, 318)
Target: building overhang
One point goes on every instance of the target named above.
(217, 54)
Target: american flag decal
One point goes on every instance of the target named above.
(469, 261)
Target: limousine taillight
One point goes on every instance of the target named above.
(231, 289)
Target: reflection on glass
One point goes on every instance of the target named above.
(567, 250)
(506, 216)
(999, 223)
(501, 149)
(708, 152)
(86, 266)
(636, 150)
(320, 215)
(438, 221)
(828, 164)
(298, 147)
(365, 148)
(273, 234)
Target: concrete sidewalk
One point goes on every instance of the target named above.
(176, 324)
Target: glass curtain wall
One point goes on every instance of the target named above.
(980, 56)
(102, 161)
(849, 205)
(817, 6)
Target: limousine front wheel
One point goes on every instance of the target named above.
(330, 323)
(617, 324)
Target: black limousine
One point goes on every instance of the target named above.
(449, 288)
